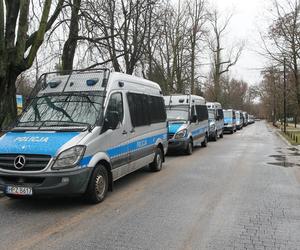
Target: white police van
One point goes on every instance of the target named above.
(216, 120)
(239, 119)
(187, 117)
(82, 132)
(245, 115)
(229, 120)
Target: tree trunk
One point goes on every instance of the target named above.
(71, 44)
(193, 67)
(8, 104)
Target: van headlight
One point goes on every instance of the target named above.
(69, 158)
(212, 127)
(181, 134)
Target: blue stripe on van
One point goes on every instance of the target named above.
(199, 131)
(136, 145)
(85, 161)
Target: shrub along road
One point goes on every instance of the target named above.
(240, 192)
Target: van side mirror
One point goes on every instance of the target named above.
(194, 118)
(111, 120)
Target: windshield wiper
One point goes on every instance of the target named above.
(59, 123)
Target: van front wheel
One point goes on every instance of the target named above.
(189, 148)
(221, 135)
(98, 185)
(156, 165)
(204, 143)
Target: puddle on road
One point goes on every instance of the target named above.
(295, 153)
(283, 164)
(293, 149)
(282, 160)
(278, 157)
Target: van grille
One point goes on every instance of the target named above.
(33, 162)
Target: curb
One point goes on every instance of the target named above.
(284, 139)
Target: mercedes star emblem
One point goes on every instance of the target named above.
(19, 162)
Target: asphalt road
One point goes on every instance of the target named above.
(241, 192)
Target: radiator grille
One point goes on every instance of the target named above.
(32, 162)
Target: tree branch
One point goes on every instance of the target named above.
(12, 11)
(22, 30)
(49, 24)
(39, 38)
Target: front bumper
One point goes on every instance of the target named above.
(49, 184)
(228, 127)
(177, 144)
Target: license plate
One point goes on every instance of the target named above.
(18, 190)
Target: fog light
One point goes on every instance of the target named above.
(65, 180)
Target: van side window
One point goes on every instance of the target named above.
(220, 113)
(146, 109)
(157, 109)
(194, 111)
(138, 108)
(116, 105)
(202, 112)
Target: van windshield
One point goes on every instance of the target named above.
(179, 112)
(227, 114)
(211, 114)
(62, 111)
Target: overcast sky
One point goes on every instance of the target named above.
(248, 19)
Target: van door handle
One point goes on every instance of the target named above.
(124, 132)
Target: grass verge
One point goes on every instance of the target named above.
(289, 139)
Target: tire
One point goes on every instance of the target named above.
(204, 143)
(156, 165)
(221, 135)
(232, 131)
(98, 185)
(215, 138)
(189, 148)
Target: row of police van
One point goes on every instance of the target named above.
(83, 131)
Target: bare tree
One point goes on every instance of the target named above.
(222, 58)
(18, 50)
(119, 29)
(172, 55)
(282, 42)
(198, 18)
(71, 43)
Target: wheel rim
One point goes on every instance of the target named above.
(100, 186)
(158, 161)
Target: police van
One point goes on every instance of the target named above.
(81, 132)
(216, 120)
(229, 120)
(245, 115)
(187, 117)
(239, 119)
